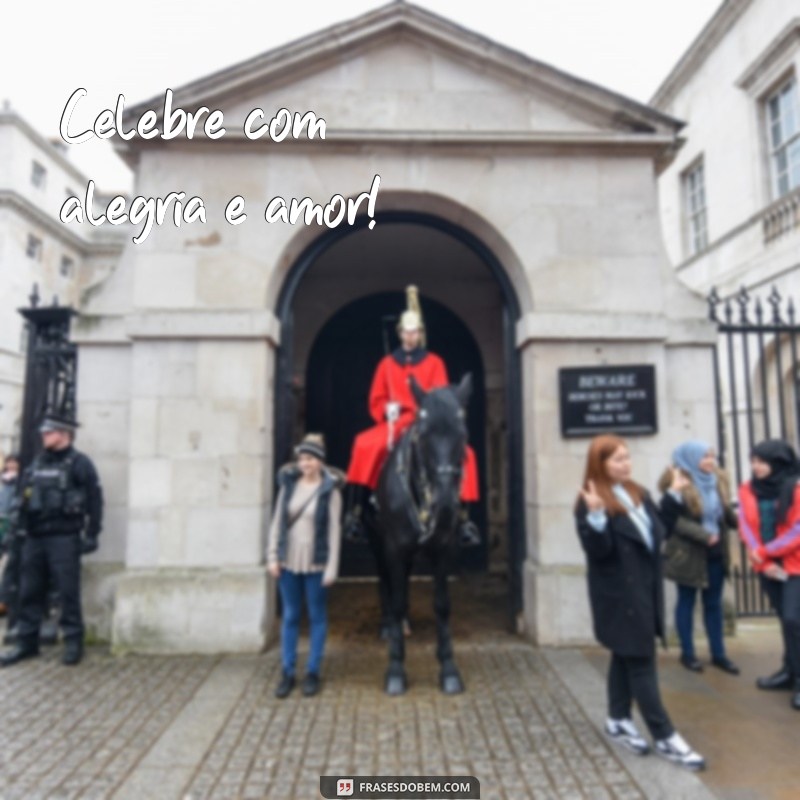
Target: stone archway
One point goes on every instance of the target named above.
(460, 271)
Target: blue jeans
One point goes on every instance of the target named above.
(712, 612)
(293, 587)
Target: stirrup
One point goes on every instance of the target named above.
(353, 529)
(468, 534)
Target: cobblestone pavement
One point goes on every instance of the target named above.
(78, 732)
(209, 727)
(517, 729)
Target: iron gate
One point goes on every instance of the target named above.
(50, 371)
(757, 397)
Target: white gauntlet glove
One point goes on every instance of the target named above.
(392, 412)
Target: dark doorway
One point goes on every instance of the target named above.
(340, 369)
(413, 248)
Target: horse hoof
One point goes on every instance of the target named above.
(395, 685)
(452, 684)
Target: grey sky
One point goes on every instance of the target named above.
(141, 49)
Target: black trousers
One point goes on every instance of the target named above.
(633, 678)
(50, 560)
(784, 597)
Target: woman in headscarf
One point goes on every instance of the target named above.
(769, 524)
(698, 516)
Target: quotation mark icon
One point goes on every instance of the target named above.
(344, 787)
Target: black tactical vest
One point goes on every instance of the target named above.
(53, 502)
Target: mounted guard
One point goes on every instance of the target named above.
(393, 406)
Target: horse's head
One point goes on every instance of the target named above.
(441, 440)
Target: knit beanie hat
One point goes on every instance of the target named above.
(313, 444)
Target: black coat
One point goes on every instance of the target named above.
(625, 582)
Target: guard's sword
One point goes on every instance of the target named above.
(390, 417)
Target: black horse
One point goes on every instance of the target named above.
(417, 501)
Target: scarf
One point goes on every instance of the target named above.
(688, 456)
(638, 514)
(785, 471)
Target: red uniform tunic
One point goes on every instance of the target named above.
(390, 384)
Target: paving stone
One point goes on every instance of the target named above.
(110, 726)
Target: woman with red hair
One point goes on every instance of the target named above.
(621, 534)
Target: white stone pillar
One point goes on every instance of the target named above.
(200, 484)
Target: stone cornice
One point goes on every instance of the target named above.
(703, 45)
(435, 138)
(204, 324)
(661, 148)
(34, 214)
(598, 326)
(781, 45)
(301, 56)
(97, 245)
(549, 326)
(198, 324)
(12, 118)
(754, 219)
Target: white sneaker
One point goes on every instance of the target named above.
(624, 732)
(676, 749)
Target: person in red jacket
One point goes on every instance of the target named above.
(769, 524)
(393, 407)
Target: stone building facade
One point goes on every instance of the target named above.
(35, 179)
(730, 201)
(524, 204)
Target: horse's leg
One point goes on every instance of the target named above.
(376, 546)
(450, 680)
(383, 589)
(395, 683)
(406, 622)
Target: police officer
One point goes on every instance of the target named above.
(60, 517)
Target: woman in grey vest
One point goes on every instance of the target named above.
(303, 554)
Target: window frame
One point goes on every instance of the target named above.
(775, 173)
(70, 264)
(35, 244)
(694, 244)
(38, 174)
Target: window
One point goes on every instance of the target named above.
(783, 121)
(66, 266)
(694, 198)
(38, 175)
(34, 248)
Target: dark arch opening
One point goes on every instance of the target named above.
(284, 398)
(338, 376)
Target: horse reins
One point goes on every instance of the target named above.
(422, 483)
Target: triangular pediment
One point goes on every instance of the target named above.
(402, 68)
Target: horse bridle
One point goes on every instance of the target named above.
(422, 484)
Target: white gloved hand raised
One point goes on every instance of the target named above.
(392, 411)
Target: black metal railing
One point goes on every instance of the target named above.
(50, 371)
(756, 361)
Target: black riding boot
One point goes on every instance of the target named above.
(468, 533)
(353, 528)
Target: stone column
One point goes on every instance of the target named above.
(200, 483)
